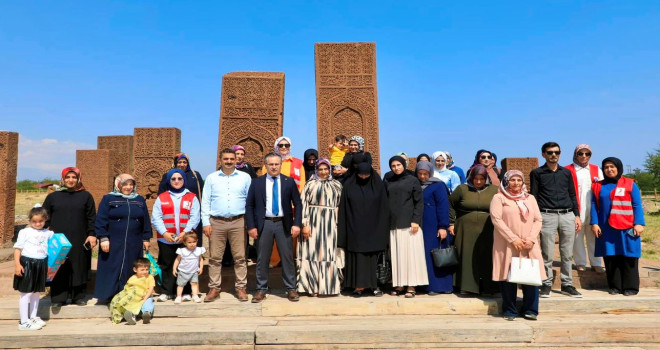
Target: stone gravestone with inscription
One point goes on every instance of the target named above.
(346, 95)
(96, 167)
(122, 150)
(251, 113)
(526, 165)
(8, 166)
(153, 151)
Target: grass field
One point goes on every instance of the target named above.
(650, 237)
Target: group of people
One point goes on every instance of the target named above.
(334, 224)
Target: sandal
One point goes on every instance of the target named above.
(396, 292)
(410, 293)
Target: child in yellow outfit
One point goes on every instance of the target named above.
(136, 296)
(338, 150)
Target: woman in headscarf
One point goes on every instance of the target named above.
(241, 164)
(363, 228)
(617, 221)
(434, 227)
(452, 166)
(450, 178)
(123, 227)
(194, 183)
(309, 162)
(470, 221)
(175, 213)
(355, 147)
(489, 160)
(390, 173)
(406, 241)
(318, 273)
(72, 211)
(517, 220)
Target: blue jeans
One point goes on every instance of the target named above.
(509, 294)
(148, 305)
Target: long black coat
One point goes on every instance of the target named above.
(73, 214)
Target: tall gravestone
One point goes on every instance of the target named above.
(346, 95)
(251, 113)
(8, 166)
(153, 151)
(96, 167)
(122, 148)
(526, 165)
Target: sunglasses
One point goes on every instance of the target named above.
(486, 157)
(176, 179)
(283, 145)
(588, 154)
(553, 152)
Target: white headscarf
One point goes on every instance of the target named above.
(277, 149)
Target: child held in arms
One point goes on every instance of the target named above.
(338, 149)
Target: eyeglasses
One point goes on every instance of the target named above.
(553, 152)
(486, 157)
(588, 154)
(283, 145)
(176, 179)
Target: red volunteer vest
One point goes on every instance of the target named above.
(167, 206)
(593, 172)
(296, 164)
(621, 214)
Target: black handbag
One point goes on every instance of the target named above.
(445, 257)
(383, 269)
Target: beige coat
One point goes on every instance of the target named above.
(509, 227)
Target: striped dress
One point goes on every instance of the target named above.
(316, 258)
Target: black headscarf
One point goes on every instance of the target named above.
(394, 176)
(310, 169)
(619, 169)
(363, 223)
(423, 155)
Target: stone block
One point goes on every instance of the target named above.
(153, 151)
(526, 165)
(96, 167)
(122, 147)
(251, 113)
(346, 95)
(8, 168)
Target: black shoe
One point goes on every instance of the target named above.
(530, 316)
(510, 318)
(81, 302)
(378, 292)
(570, 291)
(56, 305)
(357, 293)
(146, 317)
(629, 292)
(545, 291)
(614, 291)
(129, 317)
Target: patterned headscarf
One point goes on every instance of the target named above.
(315, 176)
(236, 148)
(359, 140)
(450, 160)
(120, 180)
(184, 156)
(519, 198)
(277, 149)
(79, 186)
(575, 156)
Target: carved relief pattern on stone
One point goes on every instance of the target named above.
(8, 168)
(251, 113)
(526, 165)
(96, 169)
(346, 94)
(122, 150)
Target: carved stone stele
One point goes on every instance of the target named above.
(96, 167)
(346, 95)
(8, 168)
(526, 165)
(122, 147)
(251, 113)
(153, 151)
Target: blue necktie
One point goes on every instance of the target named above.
(276, 199)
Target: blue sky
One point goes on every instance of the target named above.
(456, 76)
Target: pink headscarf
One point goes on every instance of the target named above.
(519, 198)
(575, 156)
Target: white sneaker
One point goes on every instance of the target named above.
(38, 321)
(197, 299)
(28, 326)
(162, 298)
(177, 300)
(186, 297)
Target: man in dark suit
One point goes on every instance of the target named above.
(269, 217)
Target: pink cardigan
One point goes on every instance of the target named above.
(509, 227)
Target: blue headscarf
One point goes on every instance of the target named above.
(169, 183)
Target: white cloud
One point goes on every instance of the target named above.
(38, 159)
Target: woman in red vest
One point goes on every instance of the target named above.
(175, 213)
(617, 220)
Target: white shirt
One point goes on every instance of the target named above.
(584, 189)
(269, 196)
(33, 243)
(189, 259)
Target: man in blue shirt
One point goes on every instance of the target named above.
(223, 212)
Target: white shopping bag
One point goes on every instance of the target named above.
(524, 271)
